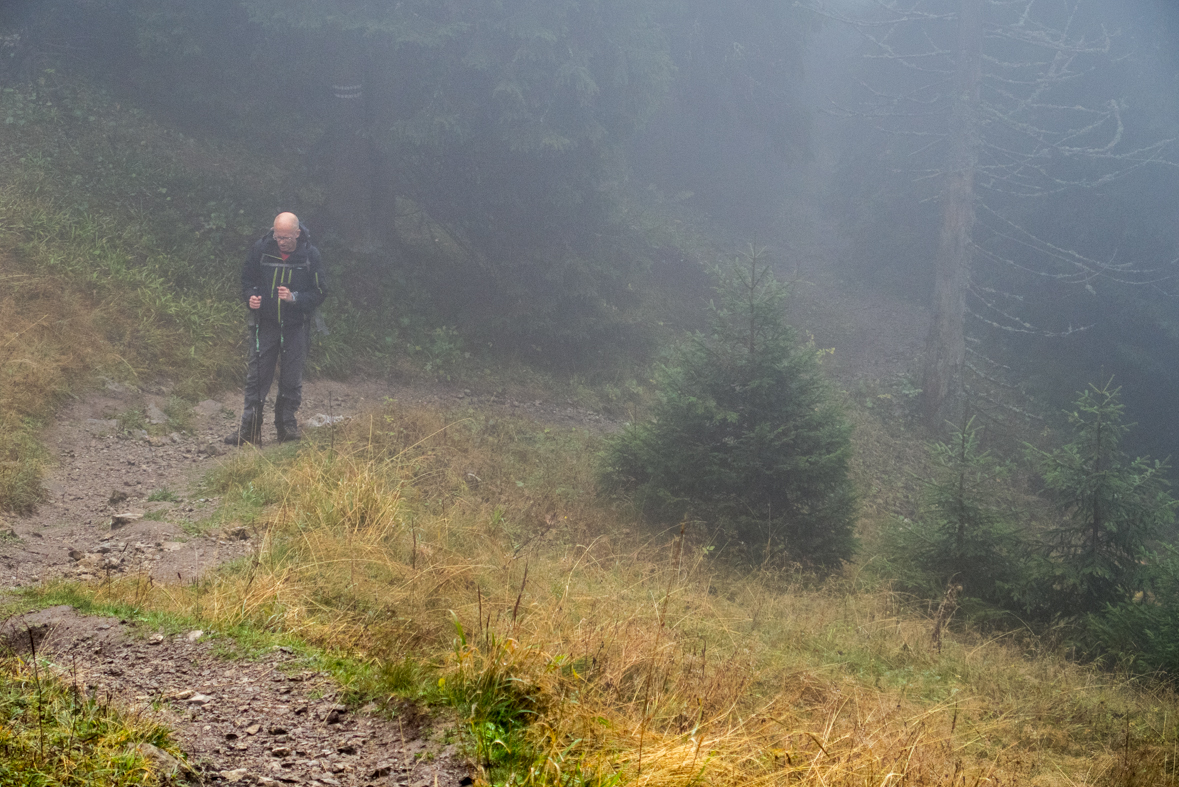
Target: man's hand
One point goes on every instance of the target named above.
(285, 295)
(255, 301)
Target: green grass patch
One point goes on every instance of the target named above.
(133, 419)
(245, 484)
(179, 414)
(52, 733)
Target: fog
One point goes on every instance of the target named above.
(1066, 229)
(1022, 197)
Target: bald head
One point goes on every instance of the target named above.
(286, 222)
(286, 231)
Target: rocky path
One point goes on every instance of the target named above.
(121, 500)
(124, 500)
(268, 721)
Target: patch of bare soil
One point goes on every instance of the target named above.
(269, 721)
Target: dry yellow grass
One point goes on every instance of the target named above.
(48, 333)
(75, 304)
(42, 355)
(477, 545)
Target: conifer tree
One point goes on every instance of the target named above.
(961, 535)
(1112, 507)
(746, 433)
(1142, 630)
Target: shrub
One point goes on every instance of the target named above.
(745, 433)
(1143, 630)
(1112, 509)
(961, 535)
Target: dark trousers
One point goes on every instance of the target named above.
(273, 346)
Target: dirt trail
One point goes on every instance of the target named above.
(100, 517)
(268, 721)
(129, 503)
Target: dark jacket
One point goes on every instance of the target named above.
(302, 273)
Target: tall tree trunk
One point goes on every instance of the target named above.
(945, 348)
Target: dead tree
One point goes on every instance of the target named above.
(945, 349)
(996, 101)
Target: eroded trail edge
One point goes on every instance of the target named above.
(268, 721)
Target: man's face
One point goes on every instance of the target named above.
(287, 237)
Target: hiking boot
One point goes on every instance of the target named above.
(285, 422)
(241, 437)
(250, 430)
(289, 435)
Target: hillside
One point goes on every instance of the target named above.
(456, 556)
(433, 591)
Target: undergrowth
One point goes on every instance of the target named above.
(467, 560)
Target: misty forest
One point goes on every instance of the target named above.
(714, 393)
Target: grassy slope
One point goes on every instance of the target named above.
(115, 260)
(466, 558)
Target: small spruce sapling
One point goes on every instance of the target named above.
(961, 536)
(1142, 631)
(745, 434)
(1112, 510)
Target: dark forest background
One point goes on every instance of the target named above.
(525, 174)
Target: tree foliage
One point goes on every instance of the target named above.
(482, 147)
(746, 433)
(962, 535)
(1142, 631)
(736, 119)
(1113, 509)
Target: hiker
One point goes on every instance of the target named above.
(283, 283)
